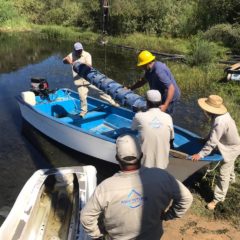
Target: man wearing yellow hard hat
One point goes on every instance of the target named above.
(159, 77)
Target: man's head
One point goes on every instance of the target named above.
(78, 48)
(153, 98)
(128, 150)
(145, 59)
(213, 105)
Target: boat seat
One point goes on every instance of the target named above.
(94, 114)
(66, 119)
(87, 118)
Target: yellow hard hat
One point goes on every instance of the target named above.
(145, 57)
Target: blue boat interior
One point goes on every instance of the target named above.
(107, 121)
(101, 119)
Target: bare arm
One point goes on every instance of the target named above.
(68, 60)
(170, 94)
(138, 84)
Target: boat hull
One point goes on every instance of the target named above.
(95, 134)
(49, 203)
(70, 136)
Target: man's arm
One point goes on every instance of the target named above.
(68, 59)
(170, 94)
(135, 122)
(138, 84)
(182, 200)
(90, 214)
(215, 134)
(88, 60)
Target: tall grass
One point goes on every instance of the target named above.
(64, 33)
(151, 42)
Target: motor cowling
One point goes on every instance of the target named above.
(39, 85)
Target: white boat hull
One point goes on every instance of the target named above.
(69, 135)
(35, 215)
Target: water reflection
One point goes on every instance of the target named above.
(28, 55)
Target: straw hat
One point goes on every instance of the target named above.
(212, 104)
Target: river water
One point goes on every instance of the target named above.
(23, 150)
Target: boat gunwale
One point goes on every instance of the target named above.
(54, 119)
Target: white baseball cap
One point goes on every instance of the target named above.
(78, 46)
(127, 145)
(153, 96)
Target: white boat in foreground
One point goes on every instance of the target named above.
(49, 204)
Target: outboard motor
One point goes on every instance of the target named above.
(40, 87)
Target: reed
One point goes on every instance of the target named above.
(151, 42)
(54, 32)
(16, 25)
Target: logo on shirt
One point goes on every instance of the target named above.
(134, 199)
(155, 123)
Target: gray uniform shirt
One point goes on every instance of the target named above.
(223, 135)
(133, 202)
(156, 130)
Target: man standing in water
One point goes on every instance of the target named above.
(224, 136)
(80, 55)
(156, 132)
(159, 77)
(134, 202)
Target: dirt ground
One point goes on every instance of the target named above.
(192, 227)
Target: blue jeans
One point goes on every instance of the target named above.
(171, 108)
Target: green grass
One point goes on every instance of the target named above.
(65, 33)
(149, 42)
(228, 210)
(18, 24)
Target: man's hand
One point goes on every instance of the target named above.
(164, 107)
(196, 157)
(67, 60)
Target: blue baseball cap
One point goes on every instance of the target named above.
(78, 46)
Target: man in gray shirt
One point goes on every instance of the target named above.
(224, 136)
(134, 202)
(156, 132)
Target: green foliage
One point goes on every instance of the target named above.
(151, 19)
(124, 17)
(65, 13)
(32, 9)
(7, 11)
(151, 42)
(179, 20)
(90, 14)
(202, 52)
(58, 33)
(228, 34)
(160, 17)
(210, 13)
